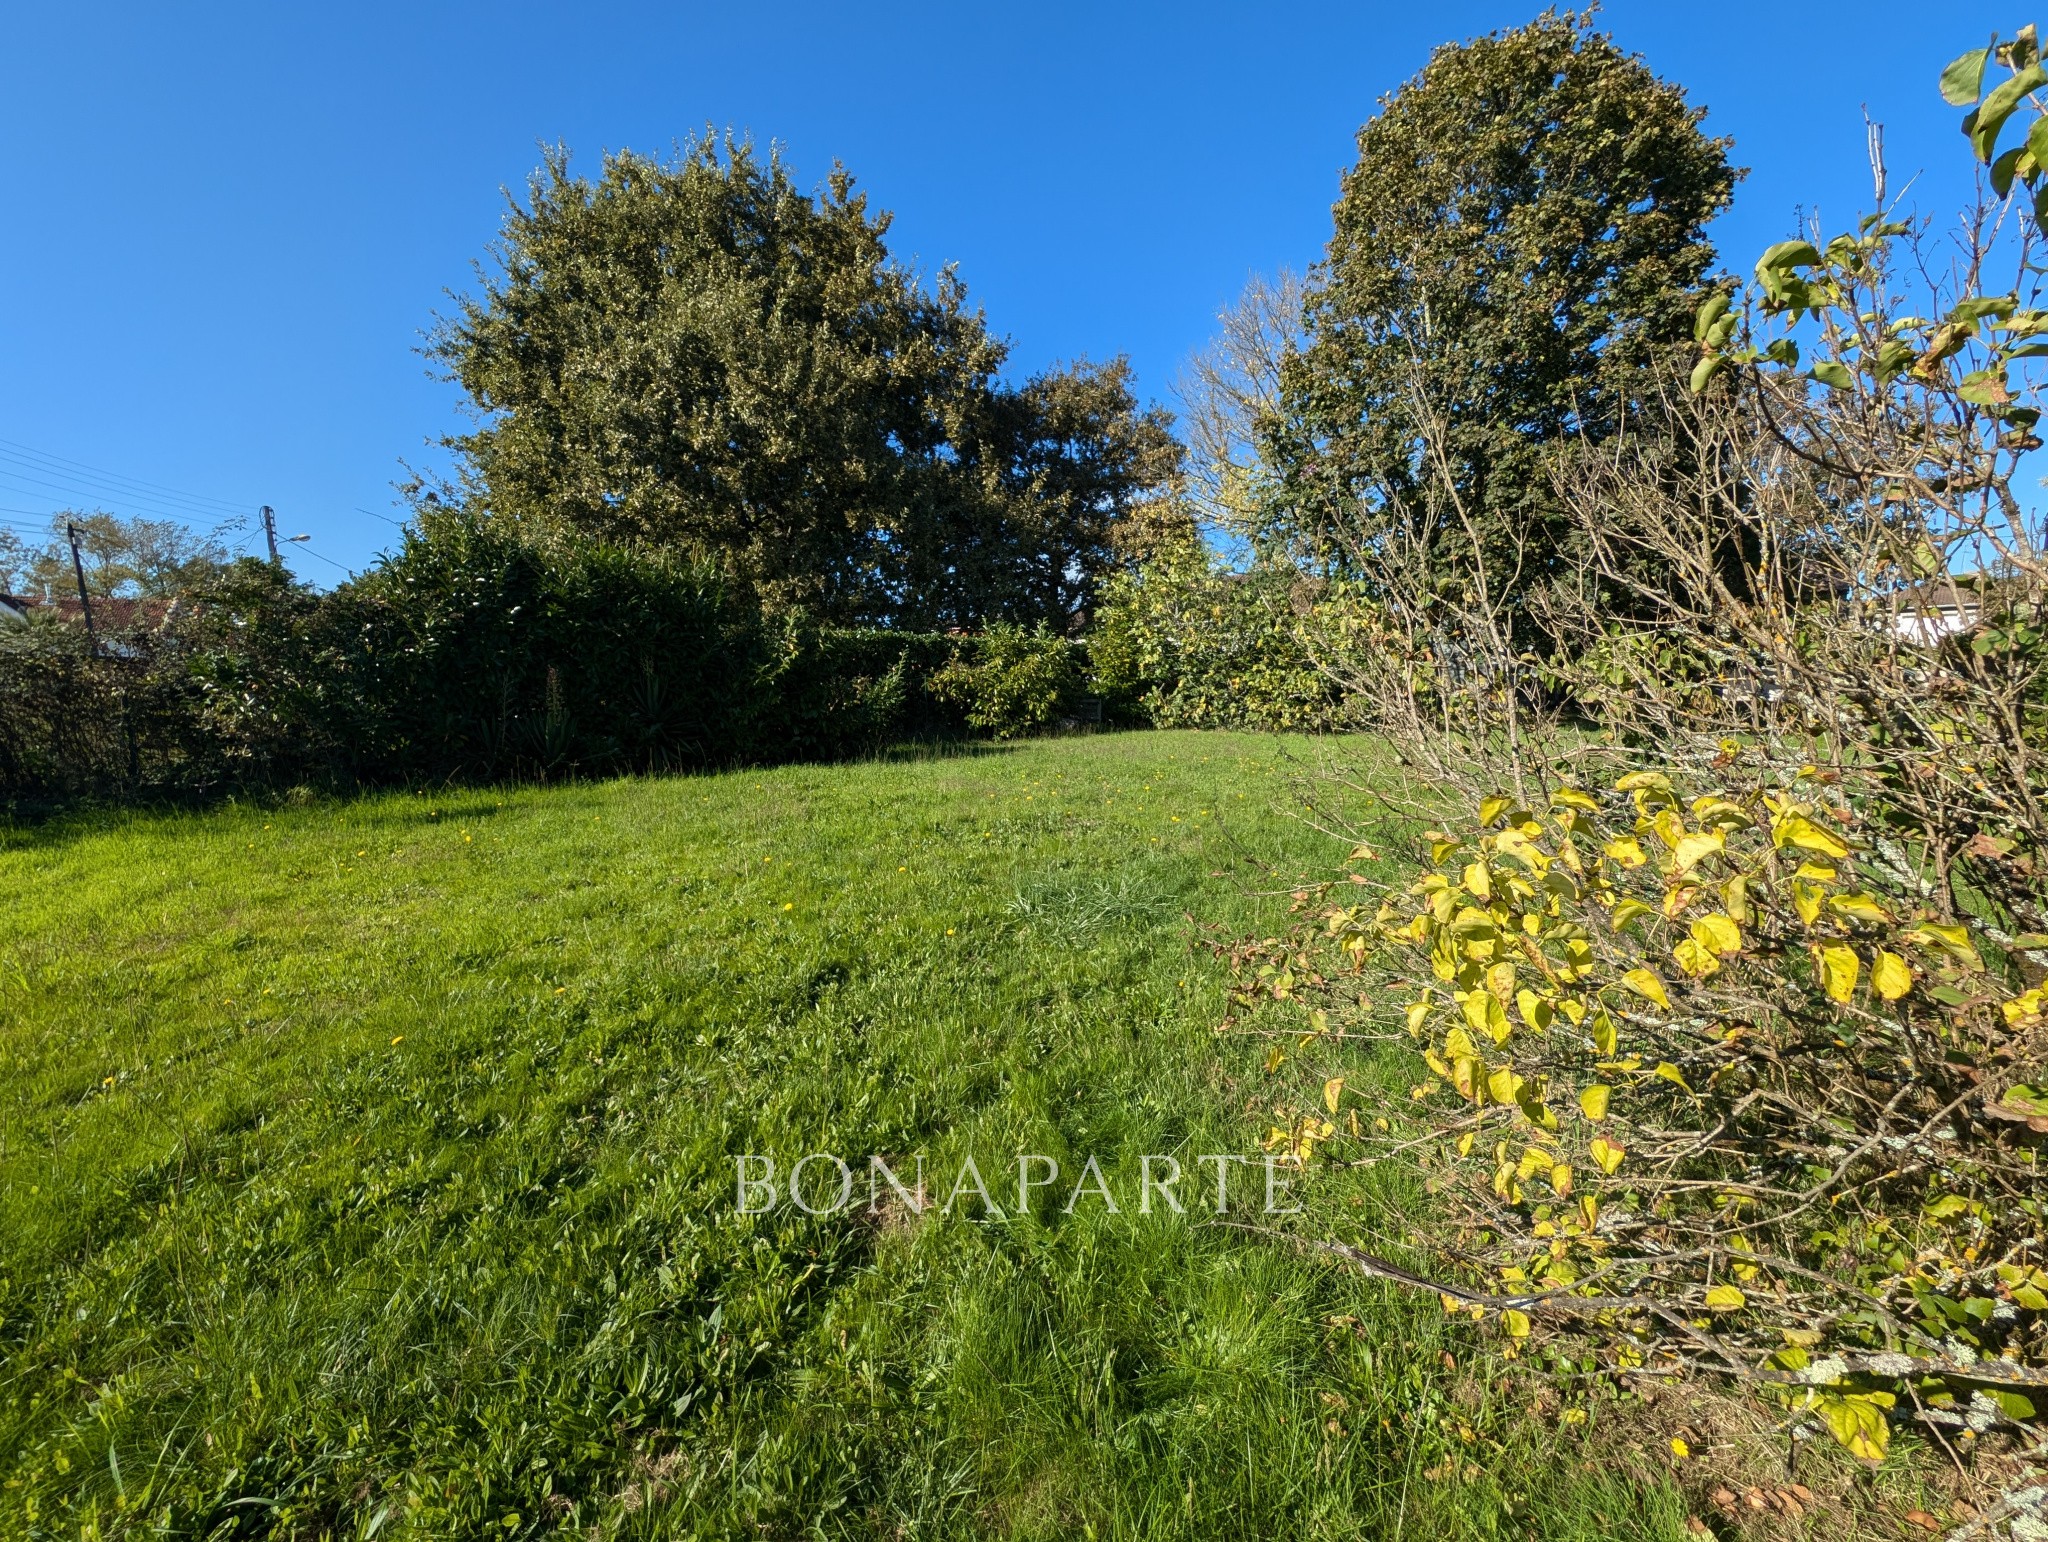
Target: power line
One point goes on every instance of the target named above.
(328, 560)
(20, 483)
(28, 455)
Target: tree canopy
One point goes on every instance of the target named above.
(697, 356)
(147, 559)
(1521, 238)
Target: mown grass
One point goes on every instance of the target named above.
(368, 1169)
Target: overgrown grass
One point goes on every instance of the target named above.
(369, 1169)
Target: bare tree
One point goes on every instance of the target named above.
(1227, 390)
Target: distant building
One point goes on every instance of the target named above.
(1944, 607)
(109, 614)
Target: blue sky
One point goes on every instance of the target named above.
(232, 223)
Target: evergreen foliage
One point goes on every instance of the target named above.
(698, 357)
(1519, 246)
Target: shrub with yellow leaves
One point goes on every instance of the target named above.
(1700, 1080)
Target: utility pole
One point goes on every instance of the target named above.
(270, 531)
(84, 599)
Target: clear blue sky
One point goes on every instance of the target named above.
(231, 223)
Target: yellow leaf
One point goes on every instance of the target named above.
(1627, 911)
(1797, 830)
(1628, 851)
(1512, 843)
(1484, 1012)
(1891, 976)
(1838, 967)
(1655, 780)
(1516, 1323)
(1571, 797)
(1465, 1072)
(1715, 809)
(1735, 895)
(1534, 1110)
(1603, 1032)
(1806, 899)
(1606, 1155)
(1418, 1012)
(1858, 1422)
(1502, 1084)
(1477, 882)
(1593, 1100)
(1695, 960)
(1816, 872)
(1717, 934)
(1333, 1089)
(1693, 849)
(1561, 1180)
(1465, 1144)
(1500, 979)
(1648, 986)
(1274, 1056)
(1492, 808)
(1671, 1073)
(1859, 907)
(1458, 1045)
(1955, 939)
(1726, 1298)
(1536, 1012)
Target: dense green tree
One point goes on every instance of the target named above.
(697, 356)
(1073, 482)
(1517, 253)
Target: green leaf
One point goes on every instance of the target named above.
(2037, 142)
(1785, 256)
(2003, 168)
(1714, 308)
(2013, 1405)
(1963, 81)
(1985, 387)
(1830, 373)
(1706, 370)
(1999, 106)
(1976, 307)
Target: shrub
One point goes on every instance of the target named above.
(1012, 682)
(1699, 1071)
(823, 692)
(1194, 647)
(471, 654)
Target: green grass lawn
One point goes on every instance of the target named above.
(369, 1168)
